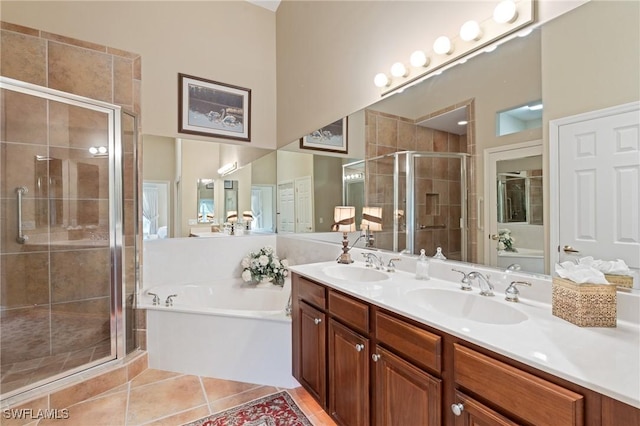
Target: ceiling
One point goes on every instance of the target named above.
(448, 122)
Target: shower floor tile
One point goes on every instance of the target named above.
(158, 397)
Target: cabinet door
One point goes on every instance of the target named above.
(348, 376)
(404, 394)
(313, 352)
(469, 412)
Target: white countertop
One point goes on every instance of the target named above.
(606, 360)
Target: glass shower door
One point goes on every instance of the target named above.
(59, 236)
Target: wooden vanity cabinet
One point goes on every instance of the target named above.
(367, 366)
(348, 375)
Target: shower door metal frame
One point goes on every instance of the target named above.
(410, 189)
(113, 112)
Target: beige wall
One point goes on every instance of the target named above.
(226, 41)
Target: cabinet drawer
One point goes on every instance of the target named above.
(524, 395)
(350, 311)
(311, 292)
(420, 346)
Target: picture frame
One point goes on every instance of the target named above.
(330, 138)
(211, 108)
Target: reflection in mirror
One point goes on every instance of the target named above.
(180, 162)
(155, 210)
(520, 238)
(231, 200)
(205, 207)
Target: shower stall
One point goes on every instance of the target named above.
(423, 196)
(68, 235)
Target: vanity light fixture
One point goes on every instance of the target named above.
(344, 218)
(418, 59)
(381, 80)
(399, 70)
(228, 168)
(505, 12)
(470, 31)
(463, 123)
(443, 46)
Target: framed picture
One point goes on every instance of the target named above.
(332, 138)
(209, 108)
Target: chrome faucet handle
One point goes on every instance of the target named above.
(391, 266)
(169, 301)
(367, 260)
(156, 299)
(513, 267)
(465, 284)
(512, 292)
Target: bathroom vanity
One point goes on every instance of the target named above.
(375, 348)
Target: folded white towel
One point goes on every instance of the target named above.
(613, 267)
(580, 273)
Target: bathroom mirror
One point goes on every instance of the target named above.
(205, 206)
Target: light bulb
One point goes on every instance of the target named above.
(419, 59)
(470, 31)
(93, 150)
(102, 149)
(505, 12)
(381, 80)
(399, 70)
(442, 46)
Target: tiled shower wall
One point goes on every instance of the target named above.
(65, 272)
(437, 180)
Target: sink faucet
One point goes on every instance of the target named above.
(487, 288)
(373, 260)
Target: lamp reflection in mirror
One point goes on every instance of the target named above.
(247, 217)
(232, 218)
(505, 12)
(344, 220)
(381, 80)
(371, 221)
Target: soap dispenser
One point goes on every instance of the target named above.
(422, 267)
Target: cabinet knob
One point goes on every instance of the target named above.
(359, 347)
(317, 321)
(457, 409)
(375, 357)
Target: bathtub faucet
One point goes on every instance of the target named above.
(169, 301)
(156, 299)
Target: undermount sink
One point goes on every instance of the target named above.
(471, 306)
(355, 273)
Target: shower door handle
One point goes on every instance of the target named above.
(20, 191)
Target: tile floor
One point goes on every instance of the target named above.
(157, 397)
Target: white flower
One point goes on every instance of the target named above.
(246, 275)
(246, 262)
(275, 263)
(268, 250)
(501, 245)
(263, 260)
(285, 263)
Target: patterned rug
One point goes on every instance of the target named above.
(277, 409)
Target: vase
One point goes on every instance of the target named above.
(265, 282)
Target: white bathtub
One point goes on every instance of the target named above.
(531, 260)
(224, 329)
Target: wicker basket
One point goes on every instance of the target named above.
(625, 281)
(585, 305)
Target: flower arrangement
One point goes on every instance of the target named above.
(264, 265)
(505, 240)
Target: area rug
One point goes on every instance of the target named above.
(277, 409)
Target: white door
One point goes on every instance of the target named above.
(286, 207)
(598, 181)
(304, 204)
